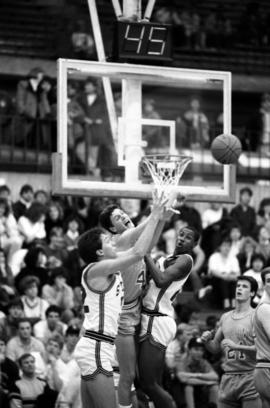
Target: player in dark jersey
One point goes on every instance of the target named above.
(262, 341)
(236, 337)
(103, 294)
(158, 326)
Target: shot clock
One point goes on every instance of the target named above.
(142, 41)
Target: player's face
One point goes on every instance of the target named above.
(120, 221)
(108, 247)
(185, 241)
(243, 291)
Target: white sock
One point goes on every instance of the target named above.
(125, 406)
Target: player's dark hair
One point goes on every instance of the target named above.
(89, 243)
(105, 217)
(251, 280)
(265, 272)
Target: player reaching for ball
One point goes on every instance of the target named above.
(102, 296)
(158, 326)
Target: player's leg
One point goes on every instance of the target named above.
(101, 391)
(151, 364)
(126, 355)
(262, 381)
(85, 396)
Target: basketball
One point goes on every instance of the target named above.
(226, 149)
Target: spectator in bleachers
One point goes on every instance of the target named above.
(34, 307)
(24, 342)
(75, 115)
(244, 214)
(257, 265)
(198, 376)
(47, 112)
(82, 42)
(213, 214)
(30, 391)
(10, 239)
(197, 125)
(9, 323)
(35, 263)
(9, 374)
(27, 106)
(246, 252)
(73, 228)
(98, 137)
(70, 341)
(58, 293)
(236, 239)
(42, 197)
(55, 216)
(223, 269)
(31, 224)
(56, 249)
(45, 329)
(24, 202)
(264, 244)
(5, 193)
(152, 134)
(56, 368)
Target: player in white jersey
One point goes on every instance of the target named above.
(236, 337)
(158, 326)
(124, 234)
(103, 295)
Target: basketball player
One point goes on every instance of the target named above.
(262, 341)
(235, 337)
(102, 294)
(158, 326)
(124, 235)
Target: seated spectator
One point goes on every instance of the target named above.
(24, 342)
(71, 339)
(213, 214)
(9, 374)
(25, 201)
(10, 238)
(56, 368)
(57, 247)
(58, 292)
(46, 329)
(5, 193)
(31, 224)
(54, 217)
(9, 323)
(236, 239)
(34, 307)
(257, 265)
(35, 263)
(264, 244)
(198, 377)
(82, 42)
(243, 214)
(224, 268)
(74, 228)
(30, 391)
(42, 197)
(197, 125)
(246, 251)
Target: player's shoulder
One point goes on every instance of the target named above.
(263, 309)
(226, 316)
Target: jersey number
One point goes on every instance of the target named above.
(141, 279)
(236, 354)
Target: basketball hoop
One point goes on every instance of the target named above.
(166, 171)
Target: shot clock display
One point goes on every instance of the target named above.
(142, 41)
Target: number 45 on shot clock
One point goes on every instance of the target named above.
(142, 41)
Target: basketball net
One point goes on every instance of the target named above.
(166, 171)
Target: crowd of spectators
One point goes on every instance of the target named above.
(216, 28)
(40, 298)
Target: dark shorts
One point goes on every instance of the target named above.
(237, 387)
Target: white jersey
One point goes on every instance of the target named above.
(102, 308)
(159, 300)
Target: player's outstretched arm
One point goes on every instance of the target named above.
(130, 236)
(179, 270)
(124, 259)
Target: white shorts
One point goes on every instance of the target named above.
(94, 357)
(160, 330)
